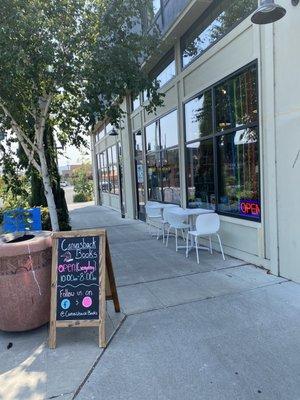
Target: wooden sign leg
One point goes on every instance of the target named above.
(111, 279)
(52, 335)
(102, 298)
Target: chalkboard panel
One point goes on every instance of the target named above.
(82, 279)
(78, 286)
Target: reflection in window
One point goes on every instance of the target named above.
(239, 191)
(103, 172)
(170, 176)
(167, 74)
(163, 160)
(236, 101)
(154, 176)
(152, 137)
(109, 128)
(108, 170)
(115, 170)
(139, 170)
(156, 6)
(198, 117)
(219, 19)
(135, 103)
(145, 96)
(168, 130)
(138, 145)
(225, 164)
(99, 168)
(200, 174)
(100, 134)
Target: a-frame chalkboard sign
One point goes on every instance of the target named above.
(82, 280)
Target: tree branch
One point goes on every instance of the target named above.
(29, 154)
(16, 126)
(45, 102)
(22, 139)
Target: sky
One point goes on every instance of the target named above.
(72, 155)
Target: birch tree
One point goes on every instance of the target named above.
(67, 62)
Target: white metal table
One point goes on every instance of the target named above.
(191, 213)
(161, 207)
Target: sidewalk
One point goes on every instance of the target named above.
(215, 331)
(221, 330)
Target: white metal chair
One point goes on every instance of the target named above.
(206, 225)
(154, 218)
(176, 222)
(166, 208)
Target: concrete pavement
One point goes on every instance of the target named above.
(221, 330)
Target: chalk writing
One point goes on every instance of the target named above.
(78, 283)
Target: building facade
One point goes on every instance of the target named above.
(227, 136)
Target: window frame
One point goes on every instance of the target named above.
(216, 134)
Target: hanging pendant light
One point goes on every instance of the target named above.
(268, 12)
(113, 132)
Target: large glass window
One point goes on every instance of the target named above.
(169, 131)
(166, 74)
(108, 170)
(108, 128)
(156, 6)
(163, 160)
(99, 169)
(139, 170)
(154, 176)
(221, 17)
(103, 172)
(239, 181)
(152, 137)
(115, 169)
(236, 101)
(164, 71)
(170, 176)
(135, 103)
(198, 117)
(200, 174)
(223, 158)
(100, 134)
(112, 157)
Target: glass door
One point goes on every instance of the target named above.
(139, 175)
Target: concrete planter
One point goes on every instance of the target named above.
(25, 277)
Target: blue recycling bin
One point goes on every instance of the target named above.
(22, 220)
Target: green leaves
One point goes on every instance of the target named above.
(74, 50)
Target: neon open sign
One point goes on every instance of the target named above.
(250, 208)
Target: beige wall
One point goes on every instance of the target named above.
(287, 128)
(274, 242)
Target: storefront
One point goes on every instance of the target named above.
(108, 164)
(225, 137)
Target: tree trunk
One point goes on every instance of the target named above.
(48, 192)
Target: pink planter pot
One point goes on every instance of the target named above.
(25, 278)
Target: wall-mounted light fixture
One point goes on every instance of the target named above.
(113, 132)
(268, 12)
